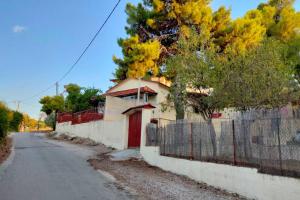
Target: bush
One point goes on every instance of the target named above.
(16, 121)
(4, 122)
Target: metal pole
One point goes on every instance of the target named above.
(18, 106)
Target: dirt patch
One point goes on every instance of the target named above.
(73, 140)
(144, 181)
(150, 182)
(5, 149)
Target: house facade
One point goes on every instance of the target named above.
(121, 124)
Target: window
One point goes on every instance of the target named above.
(146, 97)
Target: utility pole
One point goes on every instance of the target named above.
(57, 88)
(17, 105)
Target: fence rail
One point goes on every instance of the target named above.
(272, 145)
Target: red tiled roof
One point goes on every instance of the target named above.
(129, 92)
(146, 106)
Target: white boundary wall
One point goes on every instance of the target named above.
(244, 181)
(110, 133)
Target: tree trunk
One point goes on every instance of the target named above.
(178, 96)
(212, 134)
(55, 120)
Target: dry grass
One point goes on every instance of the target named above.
(5, 148)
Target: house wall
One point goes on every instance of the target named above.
(245, 181)
(114, 107)
(164, 115)
(162, 93)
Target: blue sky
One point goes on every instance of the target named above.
(39, 40)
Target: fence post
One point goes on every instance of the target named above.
(261, 143)
(200, 140)
(234, 143)
(164, 135)
(181, 139)
(191, 141)
(279, 145)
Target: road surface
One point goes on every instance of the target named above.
(42, 169)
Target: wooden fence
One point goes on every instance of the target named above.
(272, 145)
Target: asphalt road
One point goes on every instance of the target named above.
(41, 169)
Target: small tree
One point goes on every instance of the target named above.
(3, 121)
(259, 79)
(15, 122)
(193, 74)
(51, 121)
(74, 91)
(52, 105)
(89, 98)
(79, 98)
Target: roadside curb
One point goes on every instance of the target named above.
(107, 175)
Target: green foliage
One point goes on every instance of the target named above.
(50, 121)
(15, 122)
(293, 56)
(4, 121)
(73, 91)
(210, 81)
(164, 22)
(258, 79)
(52, 104)
(193, 74)
(79, 99)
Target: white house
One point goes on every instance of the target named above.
(121, 125)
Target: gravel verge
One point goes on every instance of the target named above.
(144, 181)
(5, 149)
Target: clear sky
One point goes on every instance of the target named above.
(40, 39)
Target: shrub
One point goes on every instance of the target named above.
(4, 122)
(16, 120)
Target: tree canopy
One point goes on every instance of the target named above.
(208, 81)
(79, 98)
(52, 104)
(9, 120)
(155, 26)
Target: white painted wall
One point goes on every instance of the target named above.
(245, 181)
(162, 93)
(115, 106)
(110, 133)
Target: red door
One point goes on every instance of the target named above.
(134, 130)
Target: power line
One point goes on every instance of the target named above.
(88, 46)
(79, 58)
(39, 93)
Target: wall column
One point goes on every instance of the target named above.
(146, 117)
